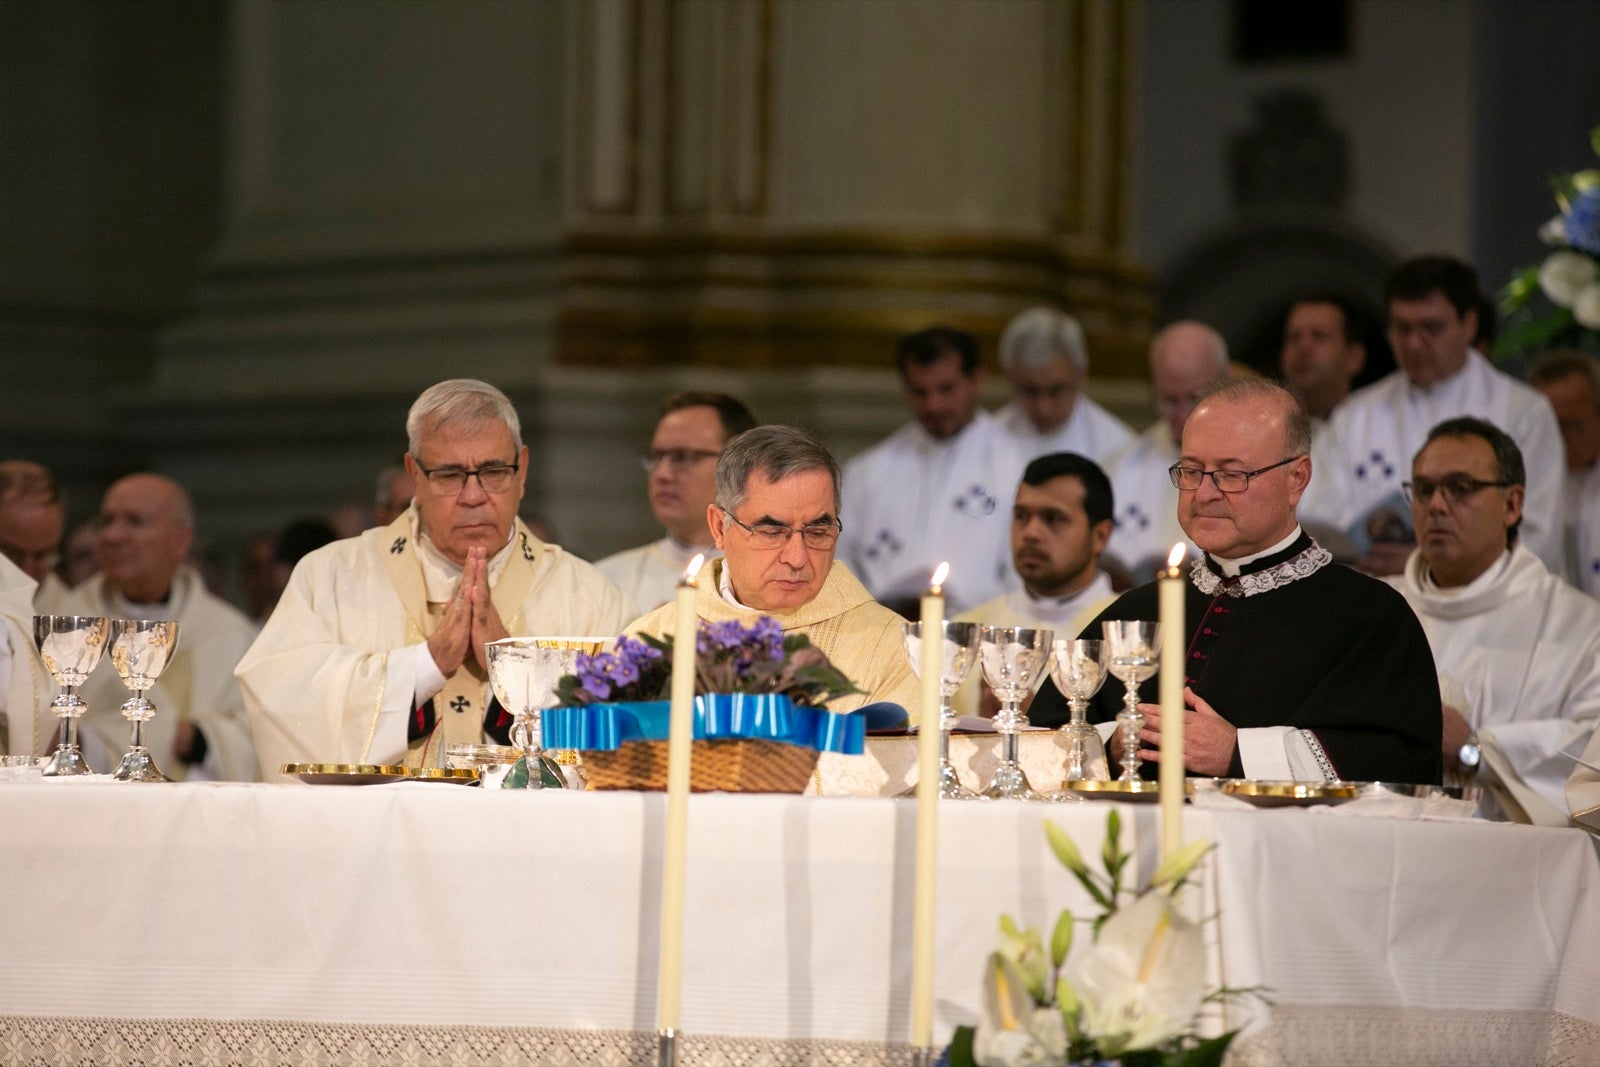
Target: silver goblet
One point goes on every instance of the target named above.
(70, 646)
(140, 651)
(959, 652)
(523, 672)
(1078, 668)
(1134, 651)
(1012, 659)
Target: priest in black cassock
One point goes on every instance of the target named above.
(1296, 667)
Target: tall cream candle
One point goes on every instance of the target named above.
(674, 862)
(928, 726)
(1173, 645)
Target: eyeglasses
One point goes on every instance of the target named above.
(818, 535)
(1189, 478)
(492, 477)
(1456, 488)
(678, 459)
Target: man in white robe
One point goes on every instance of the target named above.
(1570, 380)
(1517, 649)
(681, 468)
(26, 688)
(1362, 456)
(32, 517)
(1184, 358)
(1043, 356)
(1060, 523)
(936, 489)
(376, 653)
(199, 729)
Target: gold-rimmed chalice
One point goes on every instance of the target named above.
(1078, 667)
(70, 646)
(140, 651)
(523, 671)
(959, 650)
(1133, 653)
(1012, 658)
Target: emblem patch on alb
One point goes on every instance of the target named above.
(976, 502)
(884, 545)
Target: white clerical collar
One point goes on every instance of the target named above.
(678, 552)
(1447, 386)
(1058, 610)
(441, 574)
(1489, 578)
(158, 610)
(1230, 568)
(725, 587)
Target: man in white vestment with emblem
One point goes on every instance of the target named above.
(26, 725)
(777, 519)
(936, 489)
(1363, 455)
(1060, 523)
(681, 468)
(199, 732)
(1517, 649)
(1043, 356)
(1184, 358)
(1570, 380)
(376, 651)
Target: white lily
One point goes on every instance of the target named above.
(1015, 1031)
(1586, 306)
(1564, 274)
(1024, 950)
(1144, 979)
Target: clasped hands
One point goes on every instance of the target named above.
(470, 621)
(1209, 740)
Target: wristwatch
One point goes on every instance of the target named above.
(1470, 755)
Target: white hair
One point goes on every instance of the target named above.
(1039, 335)
(459, 400)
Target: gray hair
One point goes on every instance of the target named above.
(459, 401)
(1239, 389)
(1039, 335)
(775, 451)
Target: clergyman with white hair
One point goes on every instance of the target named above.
(1043, 356)
(376, 651)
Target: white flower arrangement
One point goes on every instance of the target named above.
(1131, 996)
(1568, 279)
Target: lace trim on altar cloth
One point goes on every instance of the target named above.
(247, 1043)
(1301, 565)
(1305, 1035)
(1324, 764)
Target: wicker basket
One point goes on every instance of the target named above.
(730, 765)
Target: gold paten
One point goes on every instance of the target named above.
(373, 773)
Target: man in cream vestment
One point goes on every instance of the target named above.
(1060, 523)
(1517, 649)
(680, 468)
(32, 516)
(777, 521)
(199, 729)
(376, 651)
(1183, 358)
(26, 688)
(936, 489)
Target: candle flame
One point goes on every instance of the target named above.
(940, 573)
(1175, 557)
(693, 569)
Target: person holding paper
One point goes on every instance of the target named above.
(1517, 648)
(777, 521)
(1297, 668)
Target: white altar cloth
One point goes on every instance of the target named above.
(278, 921)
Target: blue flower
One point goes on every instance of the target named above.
(1583, 222)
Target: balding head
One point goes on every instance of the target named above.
(1184, 358)
(31, 517)
(146, 530)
